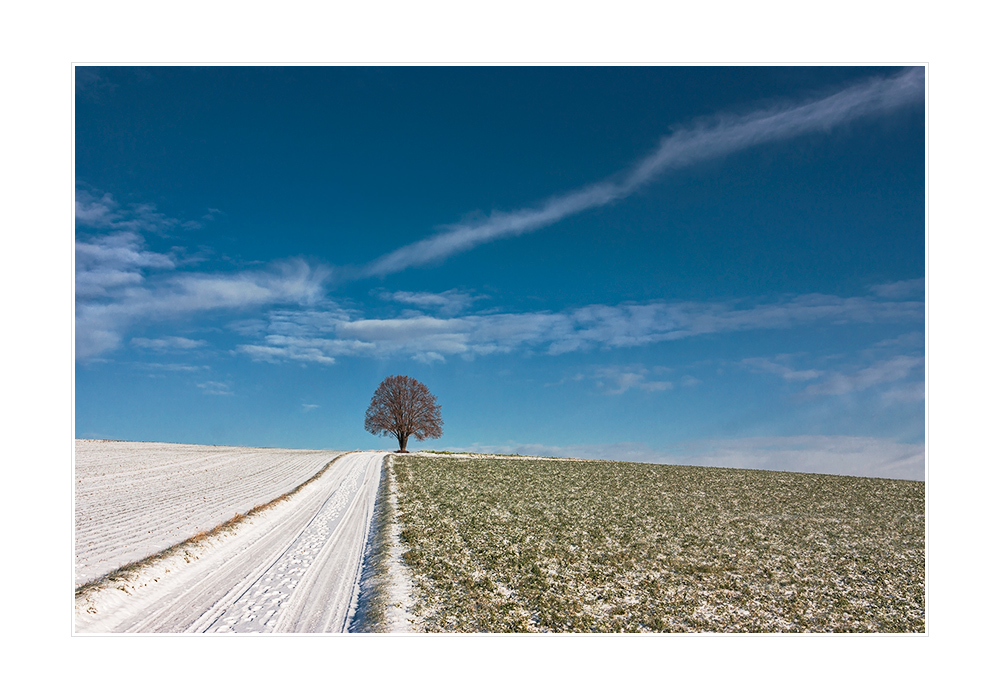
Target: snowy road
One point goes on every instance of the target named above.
(291, 568)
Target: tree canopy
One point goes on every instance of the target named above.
(402, 407)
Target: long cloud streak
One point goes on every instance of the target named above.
(682, 148)
(323, 335)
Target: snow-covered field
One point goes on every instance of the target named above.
(292, 567)
(134, 499)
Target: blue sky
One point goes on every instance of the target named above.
(700, 265)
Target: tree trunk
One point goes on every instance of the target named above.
(402, 442)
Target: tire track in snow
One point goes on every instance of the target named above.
(260, 608)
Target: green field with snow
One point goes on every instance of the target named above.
(536, 545)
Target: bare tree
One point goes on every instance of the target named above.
(402, 407)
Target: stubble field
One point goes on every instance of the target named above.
(531, 545)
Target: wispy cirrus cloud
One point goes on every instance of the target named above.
(323, 334)
(710, 139)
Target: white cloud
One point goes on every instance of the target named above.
(216, 388)
(103, 212)
(448, 303)
(167, 343)
(615, 380)
(720, 137)
(762, 364)
(248, 326)
(885, 371)
(905, 393)
(306, 407)
(119, 281)
(911, 341)
(428, 357)
(101, 322)
(98, 212)
(289, 349)
(112, 263)
(171, 366)
(900, 290)
(335, 331)
(839, 382)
